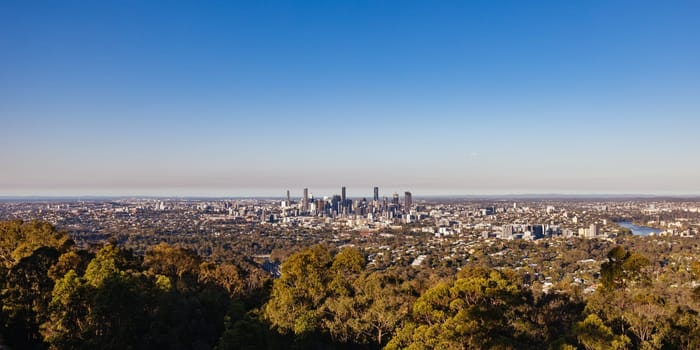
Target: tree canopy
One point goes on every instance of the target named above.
(56, 296)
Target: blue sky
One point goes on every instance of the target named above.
(253, 98)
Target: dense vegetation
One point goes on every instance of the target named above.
(55, 295)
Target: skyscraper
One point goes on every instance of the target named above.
(407, 200)
(305, 200)
(289, 199)
(376, 194)
(342, 195)
(395, 199)
(337, 204)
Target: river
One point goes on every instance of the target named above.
(639, 230)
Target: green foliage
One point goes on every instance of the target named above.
(70, 260)
(593, 334)
(56, 296)
(553, 318)
(67, 324)
(622, 268)
(684, 330)
(695, 269)
(226, 275)
(172, 261)
(246, 332)
(26, 297)
(322, 296)
(481, 310)
(18, 239)
(348, 261)
(378, 302)
(62, 298)
(297, 295)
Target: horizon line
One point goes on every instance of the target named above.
(531, 195)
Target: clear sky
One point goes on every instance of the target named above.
(233, 98)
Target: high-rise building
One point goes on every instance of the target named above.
(395, 199)
(337, 204)
(407, 200)
(289, 199)
(305, 200)
(593, 230)
(507, 232)
(342, 195)
(376, 194)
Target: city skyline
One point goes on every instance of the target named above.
(477, 98)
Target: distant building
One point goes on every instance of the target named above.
(305, 200)
(337, 203)
(593, 230)
(487, 211)
(376, 194)
(408, 200)
(507, 232)
(590, 232)
(395, 199)
(419, 260)
(537, 231)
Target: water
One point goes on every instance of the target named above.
(639, 230)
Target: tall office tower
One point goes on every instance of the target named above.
(342, 194)
(407, 200)
(337, 204)
(395, 199)
(289, 199)
(376, 194)
(305, 200)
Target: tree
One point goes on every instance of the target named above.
(225, 275)
(296, 296)
(646, 317)
(117, 299)
(623, 267)
(684, 330)
(18, 239)
(696, 274)
(67, 324)
(26, 297)
(554, 316)
(388, 302)
(167, 260)
(593, 334)
(341, 309)
(483, 309)
(70, 260)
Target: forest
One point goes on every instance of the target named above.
(57, 296)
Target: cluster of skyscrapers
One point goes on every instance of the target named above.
(341, 205)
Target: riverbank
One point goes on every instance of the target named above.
(638, 230)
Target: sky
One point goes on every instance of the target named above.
(244, 98)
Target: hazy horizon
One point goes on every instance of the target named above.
(199, 99)
(296, 193)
